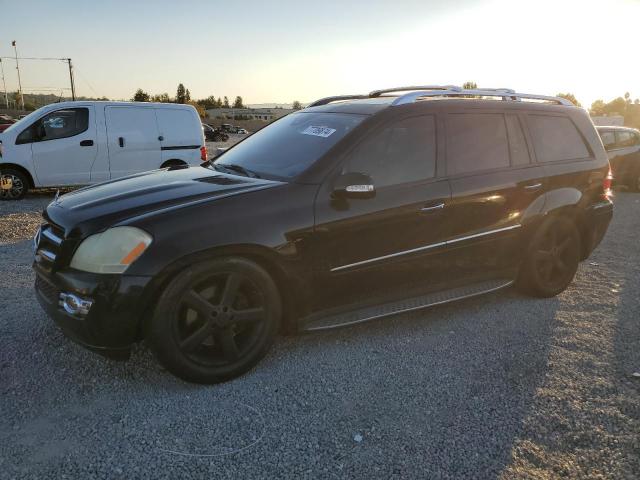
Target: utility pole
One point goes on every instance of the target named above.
(15, 49)
(6, 97)
(73, 85)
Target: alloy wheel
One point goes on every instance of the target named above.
(220, 319)
(553, 256)
(16, 190)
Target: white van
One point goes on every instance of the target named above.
(77, 143)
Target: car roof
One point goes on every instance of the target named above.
(616, 127)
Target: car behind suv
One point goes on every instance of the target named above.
(354, 208)
(623, 147)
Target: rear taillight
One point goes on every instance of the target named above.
(607, 184)
(203, 154)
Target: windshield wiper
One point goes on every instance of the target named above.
(237, 169)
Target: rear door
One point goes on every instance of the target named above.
(181, 133)
(492, 183)
(389, 246)
(64, 146)
(132, 139)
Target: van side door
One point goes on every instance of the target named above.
(132, 140)
(493, 183)
(389, 246)
(63, 146)
(181, 134)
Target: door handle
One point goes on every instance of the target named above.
(533, 186)
(121, 141)
(432, 208)
(86, 143)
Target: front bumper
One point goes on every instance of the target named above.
(113, 322)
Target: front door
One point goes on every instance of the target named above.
(371, 250)
(64, 146)
(133, 140)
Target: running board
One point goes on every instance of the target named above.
(318, 322)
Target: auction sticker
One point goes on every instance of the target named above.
(318, 131)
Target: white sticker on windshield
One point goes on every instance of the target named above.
(318, 131)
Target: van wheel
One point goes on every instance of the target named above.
(552, 259)
(215, 320)
(172, 163)
(19, 184)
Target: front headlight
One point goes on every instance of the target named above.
(111, 251)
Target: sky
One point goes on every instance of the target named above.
(285, 50)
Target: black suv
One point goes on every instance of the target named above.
(623, 147)
(354, 208)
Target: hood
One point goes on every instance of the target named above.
(103, 205)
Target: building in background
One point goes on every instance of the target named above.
(608, 120)
(264, 114)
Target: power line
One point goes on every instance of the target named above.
(36, 58)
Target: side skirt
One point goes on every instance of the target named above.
(324, 321)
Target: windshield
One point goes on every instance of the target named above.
(290, 145)
(25, 120)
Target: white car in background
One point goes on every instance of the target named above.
(78, 143)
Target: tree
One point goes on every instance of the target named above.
(181, 94)
(141, 96)
(226, 102)
(597, 108)
(207, 103)
(297, 105)
(571, 97)
(199, 108)
(238, 102)
(218, 103)
(161, 98)
(469, 85)
(187, 96)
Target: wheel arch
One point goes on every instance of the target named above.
(262, 256)
(21, 169)
(173, 162)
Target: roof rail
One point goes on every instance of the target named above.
(415, 93)
(324, 101)
(377, 93)
(505, 93)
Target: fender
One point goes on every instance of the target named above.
(550, 202)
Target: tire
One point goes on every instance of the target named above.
(172, 163)
(215, 320)
(552, 258)
(20, 184)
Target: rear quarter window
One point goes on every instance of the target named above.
(556, 138)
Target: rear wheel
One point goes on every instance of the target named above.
(552, 258)
(14, 184)
(215, 320)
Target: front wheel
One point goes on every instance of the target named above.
(13, 184)
(552, 259)
(215, 320)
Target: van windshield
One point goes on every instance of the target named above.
(290, 145)
(26, 120)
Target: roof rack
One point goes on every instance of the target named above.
(326, 100)
(415, 93)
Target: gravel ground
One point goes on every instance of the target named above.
(500, 386)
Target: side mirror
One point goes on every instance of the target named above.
(354, 185)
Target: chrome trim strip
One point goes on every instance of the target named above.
(432, 304)
(51, 236)
(427, 247)
(435, 207)
(384, 257)
(483, 234)
(50, 256)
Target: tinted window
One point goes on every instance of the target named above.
(290, 145)
(626, 139)
(556, 138)
(58, 124)
(517, 142)
(400, 153)
(608, 139)
(476, 141)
